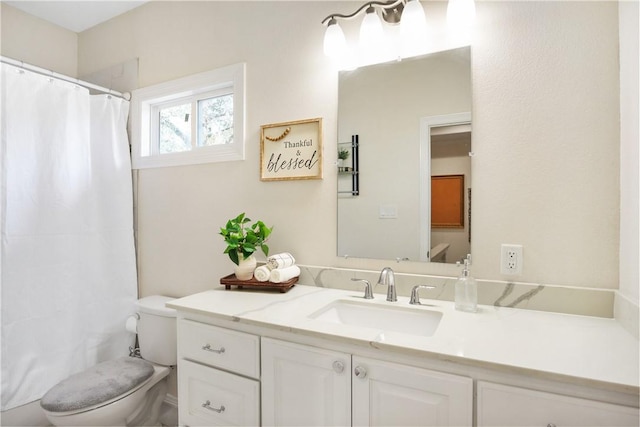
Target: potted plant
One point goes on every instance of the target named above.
(242, 241)
(343, 154)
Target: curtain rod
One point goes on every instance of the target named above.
(59, 76)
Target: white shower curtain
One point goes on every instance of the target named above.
(68, 259)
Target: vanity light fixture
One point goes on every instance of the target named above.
(372, 36)
(373, 40)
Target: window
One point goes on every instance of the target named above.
(196, 119)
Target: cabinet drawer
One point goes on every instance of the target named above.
(222, 348)
(212, 397)
(501, 405)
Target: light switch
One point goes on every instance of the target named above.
(388, 212)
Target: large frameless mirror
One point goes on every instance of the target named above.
(412, 123)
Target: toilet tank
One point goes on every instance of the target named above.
(157, 330)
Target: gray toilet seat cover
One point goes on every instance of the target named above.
(96, 385)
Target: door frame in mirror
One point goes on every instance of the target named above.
(426, 124)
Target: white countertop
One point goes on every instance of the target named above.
(586, 348)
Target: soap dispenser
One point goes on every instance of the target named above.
(466, 290)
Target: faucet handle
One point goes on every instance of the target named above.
(415, 298)
(368, 291)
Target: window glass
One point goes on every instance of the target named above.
(215, 120)
(175, 129)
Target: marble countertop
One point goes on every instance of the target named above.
(582, 347)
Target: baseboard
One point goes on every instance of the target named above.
(171, 400)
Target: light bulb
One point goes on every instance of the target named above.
(413, 28)
(335, 45)
(371, 32)
(413, 19)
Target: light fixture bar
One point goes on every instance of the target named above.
(381, 43)
(381, 4)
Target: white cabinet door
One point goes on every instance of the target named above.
(304, 386)
(501, 405)
(389, 394)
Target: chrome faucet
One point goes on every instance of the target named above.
(388, 279)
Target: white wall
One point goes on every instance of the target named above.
(545, 122)
(546, 136)
(37, 42)
(546, 140)
(181, 209)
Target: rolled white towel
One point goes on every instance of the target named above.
(262, 273)
(281, 260)
(280, 275)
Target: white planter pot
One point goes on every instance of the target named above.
(244, 271)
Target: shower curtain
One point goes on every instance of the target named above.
(68, 261)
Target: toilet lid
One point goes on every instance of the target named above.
(96, 385)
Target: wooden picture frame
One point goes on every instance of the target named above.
(291, 150)
(447, 201)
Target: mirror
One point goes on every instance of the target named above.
(412, 120)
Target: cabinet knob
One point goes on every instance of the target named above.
(338, 366)
(213, 350)
(551, 425)
(207, 405)
(360, 372)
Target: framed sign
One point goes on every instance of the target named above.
(291, 150)
(447, 201)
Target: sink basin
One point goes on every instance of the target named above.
(407, 320)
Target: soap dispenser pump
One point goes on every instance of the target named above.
(466, 289)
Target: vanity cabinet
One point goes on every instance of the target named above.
(502, 405)
(271, 365)
(219, 373)
(303, 385)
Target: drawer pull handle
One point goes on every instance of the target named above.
(213, 350)
(207, 405)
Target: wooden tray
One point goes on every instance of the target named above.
(231, 280)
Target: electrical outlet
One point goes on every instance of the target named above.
(511, 260)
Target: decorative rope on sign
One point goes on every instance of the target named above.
(278, 138)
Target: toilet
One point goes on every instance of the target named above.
(127, 391)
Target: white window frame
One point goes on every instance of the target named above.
(145, 103)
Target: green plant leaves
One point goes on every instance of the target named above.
(265, 249)
(244, 240)
(234, 257)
